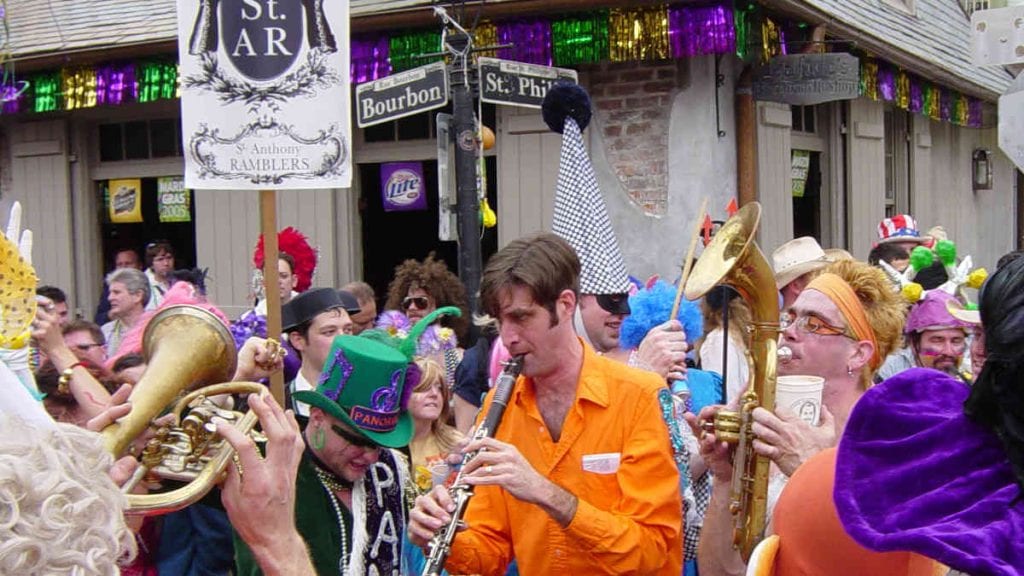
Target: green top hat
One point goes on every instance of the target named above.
(366, 382)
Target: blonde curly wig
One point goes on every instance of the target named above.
(60, 513)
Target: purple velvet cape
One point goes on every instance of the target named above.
(914, 473)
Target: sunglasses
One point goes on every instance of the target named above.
(614, 303)
(86, 347)
(354, 439)
(421, 302)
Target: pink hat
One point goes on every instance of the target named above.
(931, 313)
(900, 228)
(499, 354)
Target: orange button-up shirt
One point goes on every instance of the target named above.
(614, 455)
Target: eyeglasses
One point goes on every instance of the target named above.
(812, 325)
(87, 347)
(421, 302)
(354, 439)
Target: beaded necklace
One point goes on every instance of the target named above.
(331, 484)
(331, 481)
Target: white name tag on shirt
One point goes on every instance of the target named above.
(602, 463)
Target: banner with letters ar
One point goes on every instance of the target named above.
(265, 93)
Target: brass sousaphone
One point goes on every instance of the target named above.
(186, 347)
(732, 258)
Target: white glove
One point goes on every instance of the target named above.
(17, 359)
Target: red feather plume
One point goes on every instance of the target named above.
(295, 244)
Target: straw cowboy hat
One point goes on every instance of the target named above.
(796, 258)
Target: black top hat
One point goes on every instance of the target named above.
(308, 304)
(349, 302)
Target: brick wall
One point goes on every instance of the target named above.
(633, 103)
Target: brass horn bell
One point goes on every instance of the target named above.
(733, 258)
(186, 347)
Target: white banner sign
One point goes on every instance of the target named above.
(265, 93)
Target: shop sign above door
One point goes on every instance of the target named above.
(402, 94)
(265, 94)
(518, 83)
(806, 79)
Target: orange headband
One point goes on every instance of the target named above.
(840, 293)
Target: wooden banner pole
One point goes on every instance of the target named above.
(688, 262)
(268, 227)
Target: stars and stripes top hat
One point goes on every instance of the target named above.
(900, 228)
(580, 216)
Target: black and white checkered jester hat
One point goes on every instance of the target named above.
(580, 216)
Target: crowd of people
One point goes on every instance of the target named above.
(603, 462)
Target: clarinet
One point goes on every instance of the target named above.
(441, 544)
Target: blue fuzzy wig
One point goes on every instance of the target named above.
(650, 307)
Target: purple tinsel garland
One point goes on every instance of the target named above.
(698, 30)
(115, 84)
(370, 59)
(886, 83)
(531, 41)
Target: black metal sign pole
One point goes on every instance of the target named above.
(462, 81)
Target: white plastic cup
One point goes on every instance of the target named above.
(801, 394)
(439, 471)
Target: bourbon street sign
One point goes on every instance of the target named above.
(518, 84)
(403, 94)
(806, 79)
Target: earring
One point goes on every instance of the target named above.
(849, 371)
(318, 439)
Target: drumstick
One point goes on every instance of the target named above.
(688, 263)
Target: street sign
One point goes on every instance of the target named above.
(1011, 122)
(997, 36)
(518, 83)
(806, 79)
(402, 94)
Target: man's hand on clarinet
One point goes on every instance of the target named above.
(431, 513)
(499, 464)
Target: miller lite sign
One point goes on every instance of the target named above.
(402, 186)
(265, 93)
